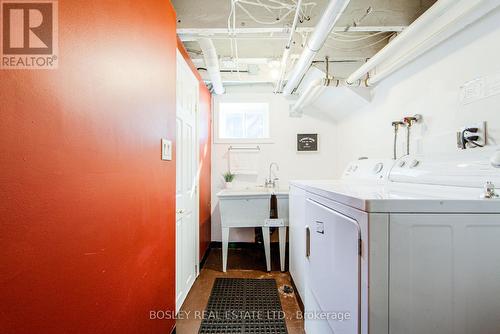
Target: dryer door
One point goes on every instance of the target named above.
(334, 266)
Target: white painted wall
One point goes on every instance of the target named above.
(293, 165)
(429, 86)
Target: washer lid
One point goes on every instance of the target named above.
(405, 198)
(452, 184)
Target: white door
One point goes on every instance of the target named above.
(186, 181)
(333, 274)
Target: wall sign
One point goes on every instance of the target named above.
(307, 142)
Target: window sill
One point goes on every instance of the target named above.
(244, 141)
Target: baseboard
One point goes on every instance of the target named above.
(299, 299)
(205, 257)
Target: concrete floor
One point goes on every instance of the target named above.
(242, 263)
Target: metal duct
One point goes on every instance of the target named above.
(315, 43)
(444, 19)
(314, 90)
(212, 64)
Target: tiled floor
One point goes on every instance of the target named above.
(242, 263)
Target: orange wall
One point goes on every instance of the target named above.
(87, 207)
(206, 169)
(205, 156)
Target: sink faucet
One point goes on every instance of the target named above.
(271, 182)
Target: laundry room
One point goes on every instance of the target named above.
(250, 166)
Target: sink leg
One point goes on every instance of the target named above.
(225, 242)
(267, 246)
(282, 231)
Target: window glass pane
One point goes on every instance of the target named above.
(243, 120)
(254, 125)
(232, 125)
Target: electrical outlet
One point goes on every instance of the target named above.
(463, 134)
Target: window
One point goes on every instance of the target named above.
(248, 121)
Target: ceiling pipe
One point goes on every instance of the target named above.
(286, 53)
(314, 90)
(310, 94)
(330, 17)
(212, 64)
(441, 21)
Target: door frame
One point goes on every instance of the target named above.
(180, 58)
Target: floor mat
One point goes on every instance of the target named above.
(244, 306)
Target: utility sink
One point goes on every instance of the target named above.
(251, 192)
(250, 207)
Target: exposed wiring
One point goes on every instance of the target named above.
(231, 26)
(280, 9)
(369, 10)
(469, 140)
(267, 8)
(474, 143)
(350, 35)
(278, 19)
(276, 8)
(355, 38)
(360, 47)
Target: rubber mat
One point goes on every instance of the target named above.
(244, 306)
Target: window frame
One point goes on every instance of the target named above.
(240, 99)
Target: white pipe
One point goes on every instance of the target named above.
(331, 15)
(444, 19)
(189, 32)
(283, 65)
(294, 24)
(315, 88)
(286, 53)
(212, 64)
(310, 93)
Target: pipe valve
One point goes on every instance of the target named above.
(412, 120)
(397, 125)
(489, 191)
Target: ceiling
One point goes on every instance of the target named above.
(260, 34)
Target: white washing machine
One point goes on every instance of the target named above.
(417, 254)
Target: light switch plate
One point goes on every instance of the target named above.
(166, 150)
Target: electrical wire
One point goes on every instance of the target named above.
(360, 47)
(272, 8)
(258, 3)
(356, 38)
(279, 9)
(474, 143)
(231, 28)
(466, 140)
(268, 9)
(278, 19)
